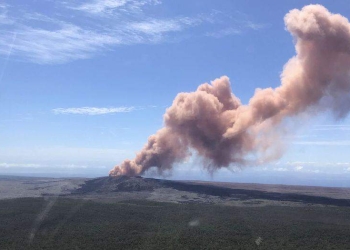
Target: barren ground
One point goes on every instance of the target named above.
(21, 187)
(233, 194)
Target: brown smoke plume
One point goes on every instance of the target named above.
(214, 123)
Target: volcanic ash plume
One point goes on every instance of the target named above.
(213, 122)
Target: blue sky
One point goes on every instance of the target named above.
(84, 83)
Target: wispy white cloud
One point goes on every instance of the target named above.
(298, 168)
(297, 163)
(290, 168)
(92, 110)
(315, 171)
(155, 26)
(307, 167)
(254, 26)
(99, 6)
(224, 32)
(82, 30)
(238, 28)
(313, 167)
(4, 18)
(56, 46)
(280, 169)
(315, 164)
(66, 42)
(108, 6)
(19, 165)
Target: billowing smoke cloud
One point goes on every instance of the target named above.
(213, 122)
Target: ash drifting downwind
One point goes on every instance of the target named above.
(213, 122)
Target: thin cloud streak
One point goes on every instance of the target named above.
(255, 26)
(20, 165)
(315, 164)
(224, 32)
(4, 18)
(239, 28)
(57, 46)
(108, 6)
(305, 168)
(101, 6)
(91, 110)
(154, 26)
(311, 167)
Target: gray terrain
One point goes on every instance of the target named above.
(23, 187)
(113, 189)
